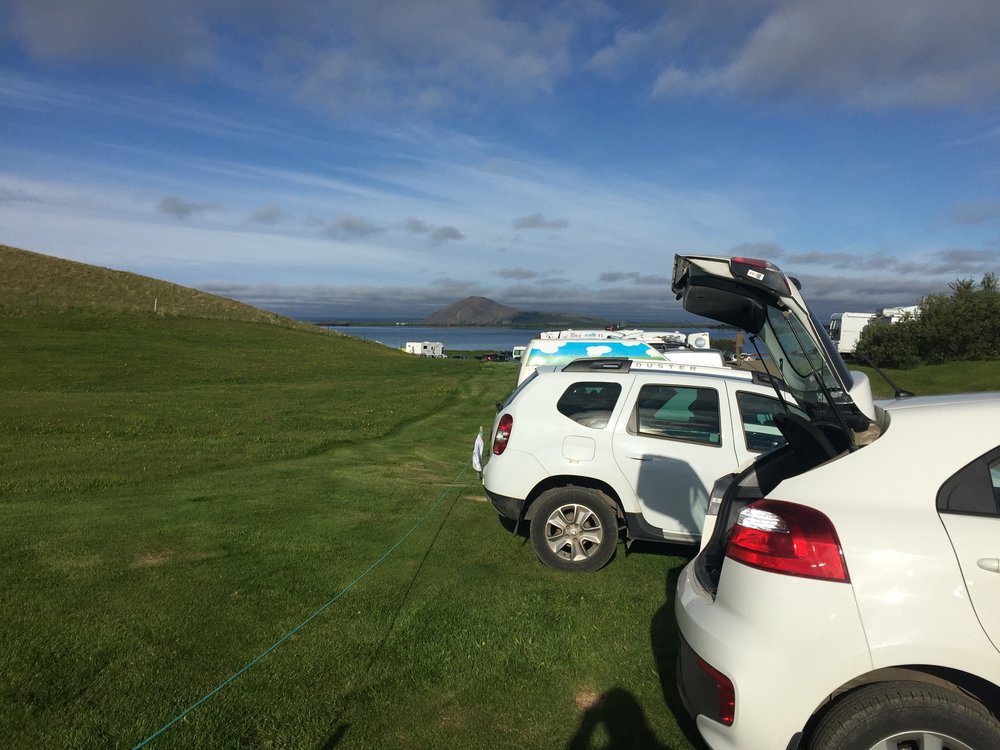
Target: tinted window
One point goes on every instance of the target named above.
(975, 489)
(679, 413)
(757, 414)
(590, 404)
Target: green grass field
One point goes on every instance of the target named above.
(177, 495)
(180, 491)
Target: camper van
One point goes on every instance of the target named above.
(558, 351)
(425, 348)
(846, 327)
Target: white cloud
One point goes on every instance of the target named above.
(872, 54)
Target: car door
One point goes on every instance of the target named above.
(969, 506)
(673, 441)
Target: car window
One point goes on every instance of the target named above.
(590, 404)
(757, 414)
(678, 413)
(975, 489)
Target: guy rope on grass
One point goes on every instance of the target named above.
(277, 644)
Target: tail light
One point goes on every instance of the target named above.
(504, 427)
(788, 538)
(723, 689)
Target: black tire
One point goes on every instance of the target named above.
(906, 715)
(574, 529)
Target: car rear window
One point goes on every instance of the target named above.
(590, 404)
(679, 413)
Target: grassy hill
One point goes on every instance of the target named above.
(34, 283)
(178, 494)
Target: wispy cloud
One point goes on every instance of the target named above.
(537, 221)
(979, 212)
(268, 215)
(871, 54)
(349, 227)
(180, 208)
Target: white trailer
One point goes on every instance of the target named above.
(896, 314)
(846, 328)
(425, 348)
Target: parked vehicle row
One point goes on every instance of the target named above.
(846, 588)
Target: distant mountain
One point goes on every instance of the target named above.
(473, 311)
(481, 311)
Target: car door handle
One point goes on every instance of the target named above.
(641, 458)
(990, 564)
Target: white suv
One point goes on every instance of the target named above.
(847, 593)
(582, 450)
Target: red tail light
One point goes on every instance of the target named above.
(788, 538)
(724, 691)
(503, 434)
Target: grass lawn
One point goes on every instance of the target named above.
(177, 495)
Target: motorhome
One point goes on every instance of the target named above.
(425, 348)
(661, 340)
(846, 327)
(560, 351)
(896, 314)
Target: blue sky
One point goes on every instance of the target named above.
(375, 158)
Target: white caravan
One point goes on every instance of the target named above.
(846, 328)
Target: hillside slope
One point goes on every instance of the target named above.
(35, 283)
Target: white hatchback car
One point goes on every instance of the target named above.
(584, 449)
(847, 593)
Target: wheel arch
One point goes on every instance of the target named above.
(964, 683)
(569, 480)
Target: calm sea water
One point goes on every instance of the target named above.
(463, 339)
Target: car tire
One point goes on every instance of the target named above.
(906, 715)
(574, 529)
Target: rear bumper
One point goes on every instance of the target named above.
(784, 643)
(508, 507)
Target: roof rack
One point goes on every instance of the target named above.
(615, 364)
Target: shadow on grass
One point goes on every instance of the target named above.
(616, 721)
(665, 640)
(662, 549)
(334, 739)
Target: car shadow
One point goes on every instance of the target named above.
(665, 639)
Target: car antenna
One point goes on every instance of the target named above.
(898, 392)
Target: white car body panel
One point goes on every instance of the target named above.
(909, 598)
(788, 647)
(976, 541)
(666, 481)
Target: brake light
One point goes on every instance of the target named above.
(788, 538)
(762, 272)
(504, 427)
(724, 691)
